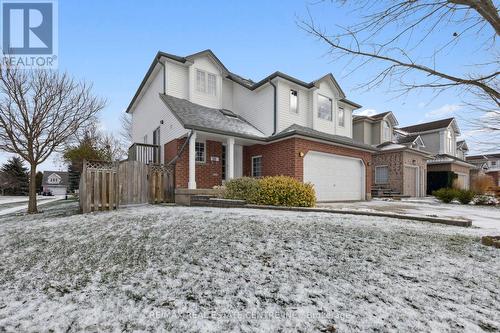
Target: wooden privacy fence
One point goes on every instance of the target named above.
(108, 185)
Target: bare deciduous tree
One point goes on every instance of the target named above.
(126, 129)
(410, 44)
(40, 111)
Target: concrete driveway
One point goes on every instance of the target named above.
(486, 218)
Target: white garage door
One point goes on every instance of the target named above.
(335, 178)
(58, 190)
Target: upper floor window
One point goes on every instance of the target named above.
(199, 150)
(294, 101)
(493, 163)
(54, 180)
(341, 117)
(324, 107)
(145, 139)
(386, 131)
(206, 82)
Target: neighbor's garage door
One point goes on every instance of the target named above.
(335, 178)
(58, 190)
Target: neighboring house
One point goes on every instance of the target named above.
(400, 164)
(235, 127)
(489, 164)
(55, 182)
(440, 139)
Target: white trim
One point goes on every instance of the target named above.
(204, 151)
(381, 166)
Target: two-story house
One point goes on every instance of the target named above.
(440, 139)
(400, 162)
(215, 125)
(489, 164)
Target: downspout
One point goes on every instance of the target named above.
(275, 106)
(181, 150)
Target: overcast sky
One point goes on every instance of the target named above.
(112, 44)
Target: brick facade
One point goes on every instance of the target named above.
(283, 158)
(394, 162)
(278, 158)
(208, 174)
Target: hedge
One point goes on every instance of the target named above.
(274, 191)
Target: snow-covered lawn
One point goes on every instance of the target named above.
(13, 204)
(486, 218)
(184, 269)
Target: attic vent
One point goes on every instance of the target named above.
(228, 113)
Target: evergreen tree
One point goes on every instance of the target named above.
(39, 180)
(15, 178)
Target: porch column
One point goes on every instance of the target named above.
(192, 162)
(230, 158)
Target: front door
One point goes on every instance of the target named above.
(411, 181)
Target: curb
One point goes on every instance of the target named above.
(446, 221)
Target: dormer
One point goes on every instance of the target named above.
(375, 129)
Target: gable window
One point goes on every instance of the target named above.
(382, 174)
(200, 81)
(341, 116)
(212, 84)
(53, 179)
(294, 101)
(256, 166)
(199, 149)
(386, 131)
(324, 107)
(206, 82)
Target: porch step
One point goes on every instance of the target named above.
(212, 201)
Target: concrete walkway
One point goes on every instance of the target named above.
(484, 217)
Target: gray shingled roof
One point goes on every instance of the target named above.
(433, 125)
(407, 139)
(62, 174)
(309, 132)
(195, 116)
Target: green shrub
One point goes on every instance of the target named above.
(465, 196)
(285, 191)
(446, 195)
(244, 188)
(274, 191)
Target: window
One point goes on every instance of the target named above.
(256, 166)
(156, 142)
(206, 82)
(199, 149)
(145, 139)
(493, 163)
(381, 174)
(341, 114)
(200, 81)
(212, 85)
(294, 97)
(386, 131)
(324, 107)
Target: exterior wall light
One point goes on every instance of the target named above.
(301, 154)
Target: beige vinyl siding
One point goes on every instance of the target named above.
(431, 142)
(227, 94)
(150, 111)
(255, 106)
(177, 80)
(286, 117)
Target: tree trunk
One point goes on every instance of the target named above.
(32, 209)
